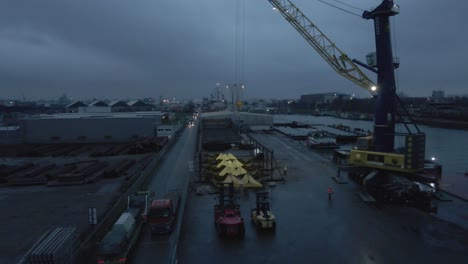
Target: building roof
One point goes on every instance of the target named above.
(76, 104)
(218, 114)
(148, 114)
(118, 104)
(229, 114)
(137, 103)
(98, 103)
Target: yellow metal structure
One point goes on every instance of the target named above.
(337, 59)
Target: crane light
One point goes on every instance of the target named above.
(373, 88)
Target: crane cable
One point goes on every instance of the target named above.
(243, 45)
(240, 52)
(396, 51)
(342, 9)
(398, 126)
(357, 8)
(236, 72)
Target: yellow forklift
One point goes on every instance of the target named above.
(262, 216)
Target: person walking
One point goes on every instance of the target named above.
(329, 191)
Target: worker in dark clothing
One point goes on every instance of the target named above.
(330, 191)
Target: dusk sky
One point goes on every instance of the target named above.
(126, 49)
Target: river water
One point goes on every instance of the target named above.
(448, 146)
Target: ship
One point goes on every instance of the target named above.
(320, 139)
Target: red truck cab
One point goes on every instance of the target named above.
(162, 213)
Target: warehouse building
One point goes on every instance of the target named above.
(323, 98)
(90, 127)
(241, 119)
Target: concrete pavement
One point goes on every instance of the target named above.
(312, 229)
(173, 173)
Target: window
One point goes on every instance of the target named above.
(375, 158)
(158, 213)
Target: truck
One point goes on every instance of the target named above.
(119, 241)
(162, 213)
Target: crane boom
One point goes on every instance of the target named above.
(338, 60)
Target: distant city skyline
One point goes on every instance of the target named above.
(182, 49)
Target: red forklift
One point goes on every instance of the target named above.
(227, 215)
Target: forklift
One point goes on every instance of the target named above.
(227, 215)
(262, 216)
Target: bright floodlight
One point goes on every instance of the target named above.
(433, 158)
(274, 8)
(373, 88)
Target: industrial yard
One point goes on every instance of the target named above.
(101, 175)
(46, 186)
(309, 227)
(134, 162)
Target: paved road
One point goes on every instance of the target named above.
(310, 229)
(172, 173)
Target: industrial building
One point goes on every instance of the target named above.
(112, 106)
(90, 127)
(241, 119)
(9, 134)
(323, 98)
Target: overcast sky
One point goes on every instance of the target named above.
(125, 49)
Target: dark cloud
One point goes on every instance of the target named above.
(180, 48)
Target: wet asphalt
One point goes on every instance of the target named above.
(310, 228)
(172, 174)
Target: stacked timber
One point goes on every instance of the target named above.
(118, 169)
(91, 172)
(82, 149)
(122, 149)
(27, 181)
(32, 176)
(6, 171)
(56, 246)
(64, 151)
(111, 151)
(150, 144)
(134, 172)
(87, 174)
(56, 172)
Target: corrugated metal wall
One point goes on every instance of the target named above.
(87, 130)
(246, 119)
